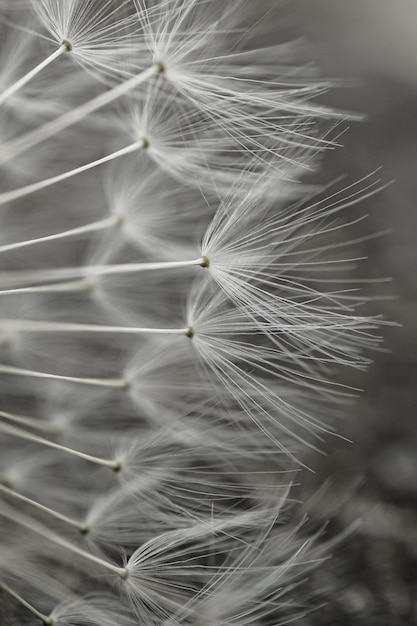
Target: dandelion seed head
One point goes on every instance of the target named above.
(100, 38)
(172, 310)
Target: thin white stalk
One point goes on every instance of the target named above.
(83, 271)
(47, 621)
(25, 436)
(76, 286)
(32, 138)
(73, 232)
(37, 424)
(47, 534)
(22, 192)
(30, 326)
(10, 91)
(111, 383)
(82, 528)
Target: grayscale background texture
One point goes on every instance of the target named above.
(372, 578)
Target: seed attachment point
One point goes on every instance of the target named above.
(190, 332)
(117, 467)
(161, 67)
(68, 45)
(124, 574)
(127, 384)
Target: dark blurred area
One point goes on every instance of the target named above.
(372, 577)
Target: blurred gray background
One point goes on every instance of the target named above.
(372, 578)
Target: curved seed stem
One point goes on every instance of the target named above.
(32, 326)
(10, 91)
(32, 138)
(47, 621)
(75, 286)
(47, 534)
(67, 273)
(15, 194)
(31, 422)
(117, 383)
(26, 436)
(63, 518)
(73, 232)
